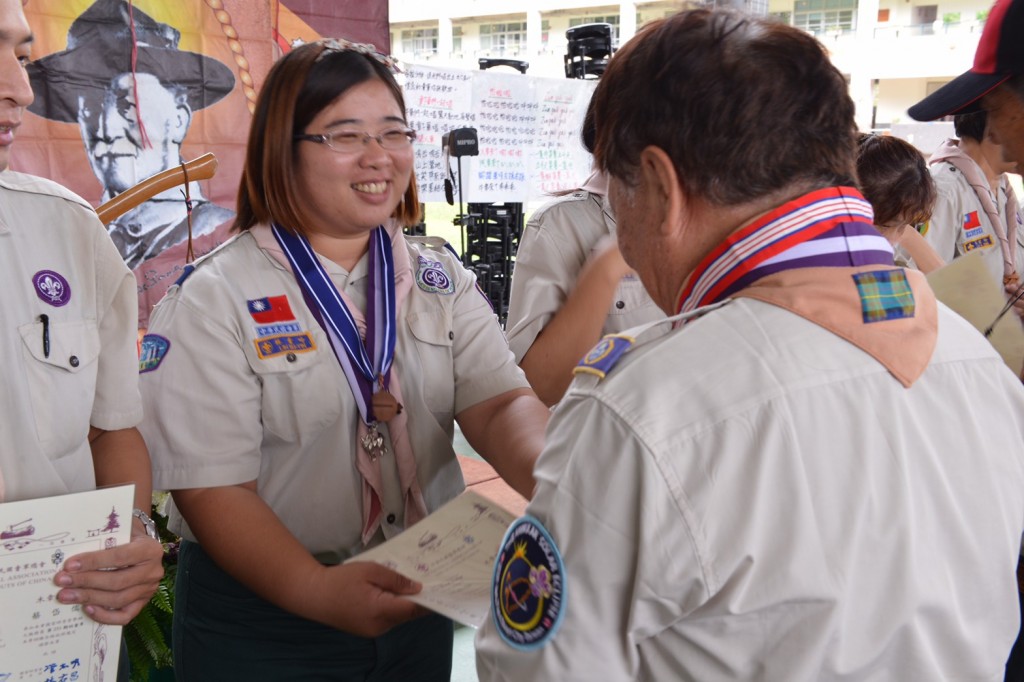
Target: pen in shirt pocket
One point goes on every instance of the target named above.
(45, 319)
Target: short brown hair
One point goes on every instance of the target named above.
(743, 106)
(299, 86)
(895, 179)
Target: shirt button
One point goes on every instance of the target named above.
(391, 518)
(73, 361)
(620, 304)
(451, 335)
(290, 357)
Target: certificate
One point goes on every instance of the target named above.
(966, 286)
(42, 639)
(452, 553)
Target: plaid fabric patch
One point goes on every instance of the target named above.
(884, 295)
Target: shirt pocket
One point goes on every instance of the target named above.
(61, 363)
(301, 393)
(433, 334)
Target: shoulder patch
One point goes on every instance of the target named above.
(152, 352)
(604, 356)
(432, 277)
(528, 589)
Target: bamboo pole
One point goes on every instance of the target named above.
(200, 168)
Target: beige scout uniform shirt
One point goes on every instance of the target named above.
(556, 243)
(946, 231)
(90, 377)
(706, 526)
(219, 414)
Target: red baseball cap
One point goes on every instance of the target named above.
(1000, 56)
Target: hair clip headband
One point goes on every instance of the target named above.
(332, 45)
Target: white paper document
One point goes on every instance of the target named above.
(452, 553)
(966, 286)
(41, 639)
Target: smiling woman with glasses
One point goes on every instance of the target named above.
(352, 141)
(327, 356)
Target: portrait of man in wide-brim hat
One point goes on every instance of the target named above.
(133, 120)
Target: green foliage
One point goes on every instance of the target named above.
(951, 18)
(981, 15)
(148, 636)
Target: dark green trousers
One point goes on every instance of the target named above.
(223, 631)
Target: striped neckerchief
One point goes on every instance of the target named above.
(829, 227)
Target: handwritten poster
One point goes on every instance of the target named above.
(451, 552)
(41, 639)
(528, 130)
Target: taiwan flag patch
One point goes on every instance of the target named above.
(270, 309)
(971, 220)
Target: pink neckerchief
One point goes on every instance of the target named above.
(951, 153)
(369, 469)
(828, 297)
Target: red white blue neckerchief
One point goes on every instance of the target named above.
(830, 227)
(365, 374)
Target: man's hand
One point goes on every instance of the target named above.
(1012, 291)
(113, 584)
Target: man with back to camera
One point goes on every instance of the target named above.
(779, 488)
(69, 381)
(995, 84)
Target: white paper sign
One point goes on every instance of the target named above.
(42, 639)
(528, 130)
(452, 553)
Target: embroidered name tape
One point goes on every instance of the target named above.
(604, 355)
(280, 328)
(528, 589)
(884, 295)
(272, 346)
(433, 278)
(152, 351)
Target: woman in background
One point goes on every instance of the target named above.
(895, 179)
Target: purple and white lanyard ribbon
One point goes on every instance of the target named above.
(365, 374)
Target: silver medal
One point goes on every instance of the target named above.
(373, 443)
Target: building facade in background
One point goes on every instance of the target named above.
(894, 52)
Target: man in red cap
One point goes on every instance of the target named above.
(995, 83)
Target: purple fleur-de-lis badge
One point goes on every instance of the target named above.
(52, 288)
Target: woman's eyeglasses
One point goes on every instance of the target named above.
(350, 141)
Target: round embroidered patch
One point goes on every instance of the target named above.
(52, 288)
(432, 278)
(600, 351)
(528, 589)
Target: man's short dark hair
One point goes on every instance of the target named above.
(743, 106)
(971, 126)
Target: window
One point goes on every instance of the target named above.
(781, 17)
(419, 41)
(612, 19)
(825, 16)
(457, 39)
(502, 38)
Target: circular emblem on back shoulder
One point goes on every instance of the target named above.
(528, 590)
